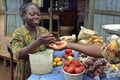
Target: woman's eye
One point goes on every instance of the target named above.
(38, 14)
(32, 14)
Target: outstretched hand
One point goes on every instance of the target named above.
(59, 45)
(47, 39)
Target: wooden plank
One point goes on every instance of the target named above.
(12, 15)
(103, 17)
(86, 13)
(7, 56)
(107, 12)
(96, 4)
(118, 5)
(90, 14)
(104, 22)
(116, 20)
(97, 22)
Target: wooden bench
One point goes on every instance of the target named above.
(6, 57)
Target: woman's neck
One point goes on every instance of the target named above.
(30, 28)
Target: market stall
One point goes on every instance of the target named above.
(57, 73)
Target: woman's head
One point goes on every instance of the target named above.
(30, 13)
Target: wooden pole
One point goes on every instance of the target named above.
(51, 17)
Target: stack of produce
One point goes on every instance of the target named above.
(68, 55)
(96, 40)
(92, 40)
(95, 66)
(57, 61)
(73, 66)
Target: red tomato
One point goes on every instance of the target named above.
(72, 65)
(82, 67)
(67, 51)
(78, 70)
(67, 62)
(77, 63)
(65, 68)
(70, 69)
(64, 55)
(70, 54)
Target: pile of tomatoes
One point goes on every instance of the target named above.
(73, 66)
(68, 52)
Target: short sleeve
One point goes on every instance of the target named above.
(17, 42)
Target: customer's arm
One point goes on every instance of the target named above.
(90, 50)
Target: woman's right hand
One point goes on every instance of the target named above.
(47, 39)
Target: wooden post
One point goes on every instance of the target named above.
(51, 17)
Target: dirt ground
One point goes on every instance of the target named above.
(4, 72)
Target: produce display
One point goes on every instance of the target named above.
(57, 61)
(92, 40)
(95, 66)
(96, 40)
(73, 66)
(68, 55)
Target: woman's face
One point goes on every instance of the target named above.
(32, 16)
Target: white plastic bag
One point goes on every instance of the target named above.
(41, 62)
(86, 33)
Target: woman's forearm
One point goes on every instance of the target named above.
(29, 49)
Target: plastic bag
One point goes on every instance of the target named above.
(41, 62)
(86, 33)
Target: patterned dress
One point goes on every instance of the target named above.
(22, 38)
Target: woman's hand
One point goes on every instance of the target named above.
(47, 39)
(59, 45)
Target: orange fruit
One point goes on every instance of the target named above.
(59, 63)
(56, 59)
(54, 63)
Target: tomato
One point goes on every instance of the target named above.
(67, 51)
(64, 55)
(82, 67)
(70, 69)
(67, 62)
(70, 54)
(77, 63)
(78, 70)
(72, 65)
(65, 68)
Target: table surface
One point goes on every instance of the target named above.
(57, 73)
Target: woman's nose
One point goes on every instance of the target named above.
(36, 16)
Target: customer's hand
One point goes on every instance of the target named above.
(47, 39)
(59, 45)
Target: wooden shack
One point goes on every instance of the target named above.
(101, 12)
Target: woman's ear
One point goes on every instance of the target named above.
(23, 16)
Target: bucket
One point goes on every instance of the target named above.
(41, 62)
(69, 76)
(66, 30)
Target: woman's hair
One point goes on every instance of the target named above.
(24, 8)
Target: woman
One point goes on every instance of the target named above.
(28, 39)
